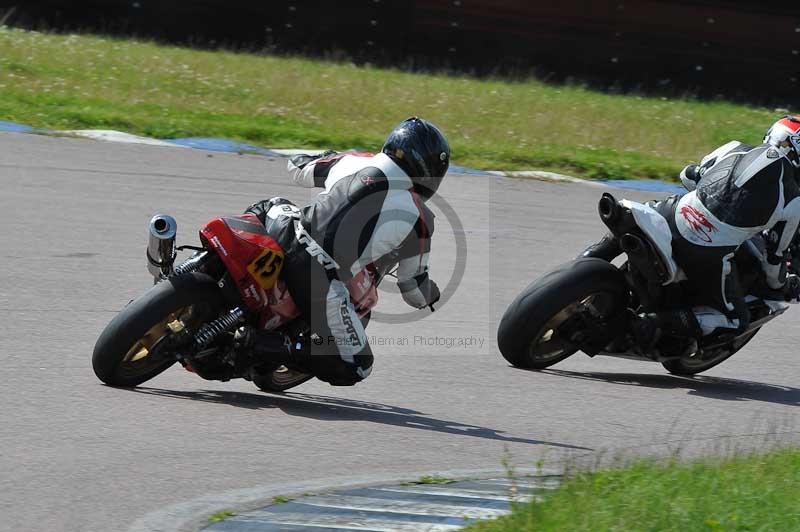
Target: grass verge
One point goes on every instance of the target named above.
(430, 480)
(73, 82)
(218, 517)
(737, 494)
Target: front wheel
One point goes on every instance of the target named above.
(133, 348)
(530, 334)
(692, 365)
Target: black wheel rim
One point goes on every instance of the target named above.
(549, 344)
(713, 357)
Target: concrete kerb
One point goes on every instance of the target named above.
(191, 516)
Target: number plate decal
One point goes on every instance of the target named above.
(266, 268)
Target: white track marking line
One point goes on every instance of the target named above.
(192, 515)
(533, 485)
(373, 504)
(338, 522)
(119, 136)
(296, 152)
(466, 494)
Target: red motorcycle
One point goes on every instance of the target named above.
(198, 311)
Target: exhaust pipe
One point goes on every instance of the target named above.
(161, 250)
(632, 244)
(608, 209)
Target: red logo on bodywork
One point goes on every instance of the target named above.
(699, 223)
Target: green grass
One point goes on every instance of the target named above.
(220, 516)
(281, 499)
(72, 82)
(748, 493)
(430, 480)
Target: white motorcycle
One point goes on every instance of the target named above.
(586, 304)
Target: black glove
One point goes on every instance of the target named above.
(301, 160)
(419, 291)
(690, 176)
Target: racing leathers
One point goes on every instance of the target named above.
(735, 193)
(368, 212)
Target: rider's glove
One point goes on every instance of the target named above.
(690, 176)
(791, 290)
(419, 291)
(301, 160)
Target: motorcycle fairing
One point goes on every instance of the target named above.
(282, 308)
(252, 257)
(657, 230)
(254, 260)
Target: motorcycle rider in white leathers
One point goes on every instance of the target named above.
(735, 193)
(372, 208)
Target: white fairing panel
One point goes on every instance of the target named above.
(657, 229)
(699, 226)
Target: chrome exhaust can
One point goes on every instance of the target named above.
(161, 250)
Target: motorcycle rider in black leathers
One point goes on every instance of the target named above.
(372, 208)
(735, 193)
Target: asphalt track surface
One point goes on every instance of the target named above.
(77, 455)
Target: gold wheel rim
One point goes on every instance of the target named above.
(143, 347)
(284, 376)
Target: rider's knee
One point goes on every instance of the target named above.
(338, 372)
(347, 375)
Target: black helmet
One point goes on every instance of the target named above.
(420, 149)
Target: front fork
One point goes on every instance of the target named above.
(588, 331)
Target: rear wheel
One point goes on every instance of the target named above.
(530, 334)
(692, 365)
(133, 348)
(281, 379)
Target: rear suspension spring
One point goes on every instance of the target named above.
(192, 264)
(211, 331)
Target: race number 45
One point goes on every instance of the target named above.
(266, 268)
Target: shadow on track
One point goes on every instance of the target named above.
(704, 386)
(326, 408)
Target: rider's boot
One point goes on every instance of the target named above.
(607, 249)
(649, 328)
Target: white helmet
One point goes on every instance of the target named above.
(784, 135)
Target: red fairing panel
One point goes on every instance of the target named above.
(251, 256)
(282, 308)
(254, 260)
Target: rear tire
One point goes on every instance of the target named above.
(527, 335)
(281, 379)
(688, 366)
(127, 352)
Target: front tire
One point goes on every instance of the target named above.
(528, 334)
(131, 349)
